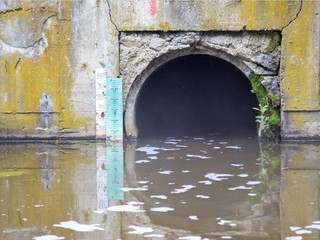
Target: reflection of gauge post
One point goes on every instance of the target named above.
(102, 199)
(114, 109)
(115, 173)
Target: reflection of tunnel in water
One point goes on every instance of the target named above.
(196, 94)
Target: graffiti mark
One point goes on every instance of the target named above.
(153, 8)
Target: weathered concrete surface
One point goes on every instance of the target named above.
(299, 186)
(53, 47)
(140, 50)
(204, 15)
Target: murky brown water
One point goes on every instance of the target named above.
(175, 188)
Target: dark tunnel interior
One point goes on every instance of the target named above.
(196, 95)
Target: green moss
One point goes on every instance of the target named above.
(273, 98)
(270, 117)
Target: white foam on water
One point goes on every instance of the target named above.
(295, 228)
(190, 238)
(198, 156)
(172, 139)
(216, 147)
(193, 217)
(38, 205)
(202, 196)
(303, 231)
(233, 147)
(135, 189)
(142, 161)
(73, 225)
(243, 175)
(185, 171)
(184, 188)
(47, 237)
(313, 226)
(148, 150)
(171, 183)
(218, 176)
(125, 208)
(159, 196)
(223, 143)
(140, 230)
(224, 222)
(226, 237)
(171, 143)
(198, 139)
(98, 211)
(237, 164)
(240, 188)
(182, 146)
(142, 182)
(294, 238)
(166, 172)
(206, 182)
(154, 235)
(252, 194)
(316, 222)
(161, 209)
(153, 157)
(169, 149)
(253, 182)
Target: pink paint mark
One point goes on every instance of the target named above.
(153, 7)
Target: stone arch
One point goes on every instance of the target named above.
(142, 53)
(130, 117)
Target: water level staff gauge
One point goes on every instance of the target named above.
(114, 110)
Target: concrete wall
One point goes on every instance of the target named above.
(49, 51)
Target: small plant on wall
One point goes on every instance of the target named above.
(269, 117)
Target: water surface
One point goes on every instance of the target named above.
(205, 187)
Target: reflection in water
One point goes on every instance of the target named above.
(115, 171)
(46, 166)
(211, 187)
(175, 188)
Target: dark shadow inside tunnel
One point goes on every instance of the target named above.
(196, 95)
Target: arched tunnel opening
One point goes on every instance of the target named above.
(196, 95)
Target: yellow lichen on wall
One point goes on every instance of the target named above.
(23, 79)
(300, 60)
(267, 15)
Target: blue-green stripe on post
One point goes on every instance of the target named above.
(114, 110)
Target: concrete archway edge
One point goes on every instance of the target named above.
(139, 62)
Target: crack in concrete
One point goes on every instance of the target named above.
(293, 19)
(12, 10)
(17, 63)
(110, 15)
